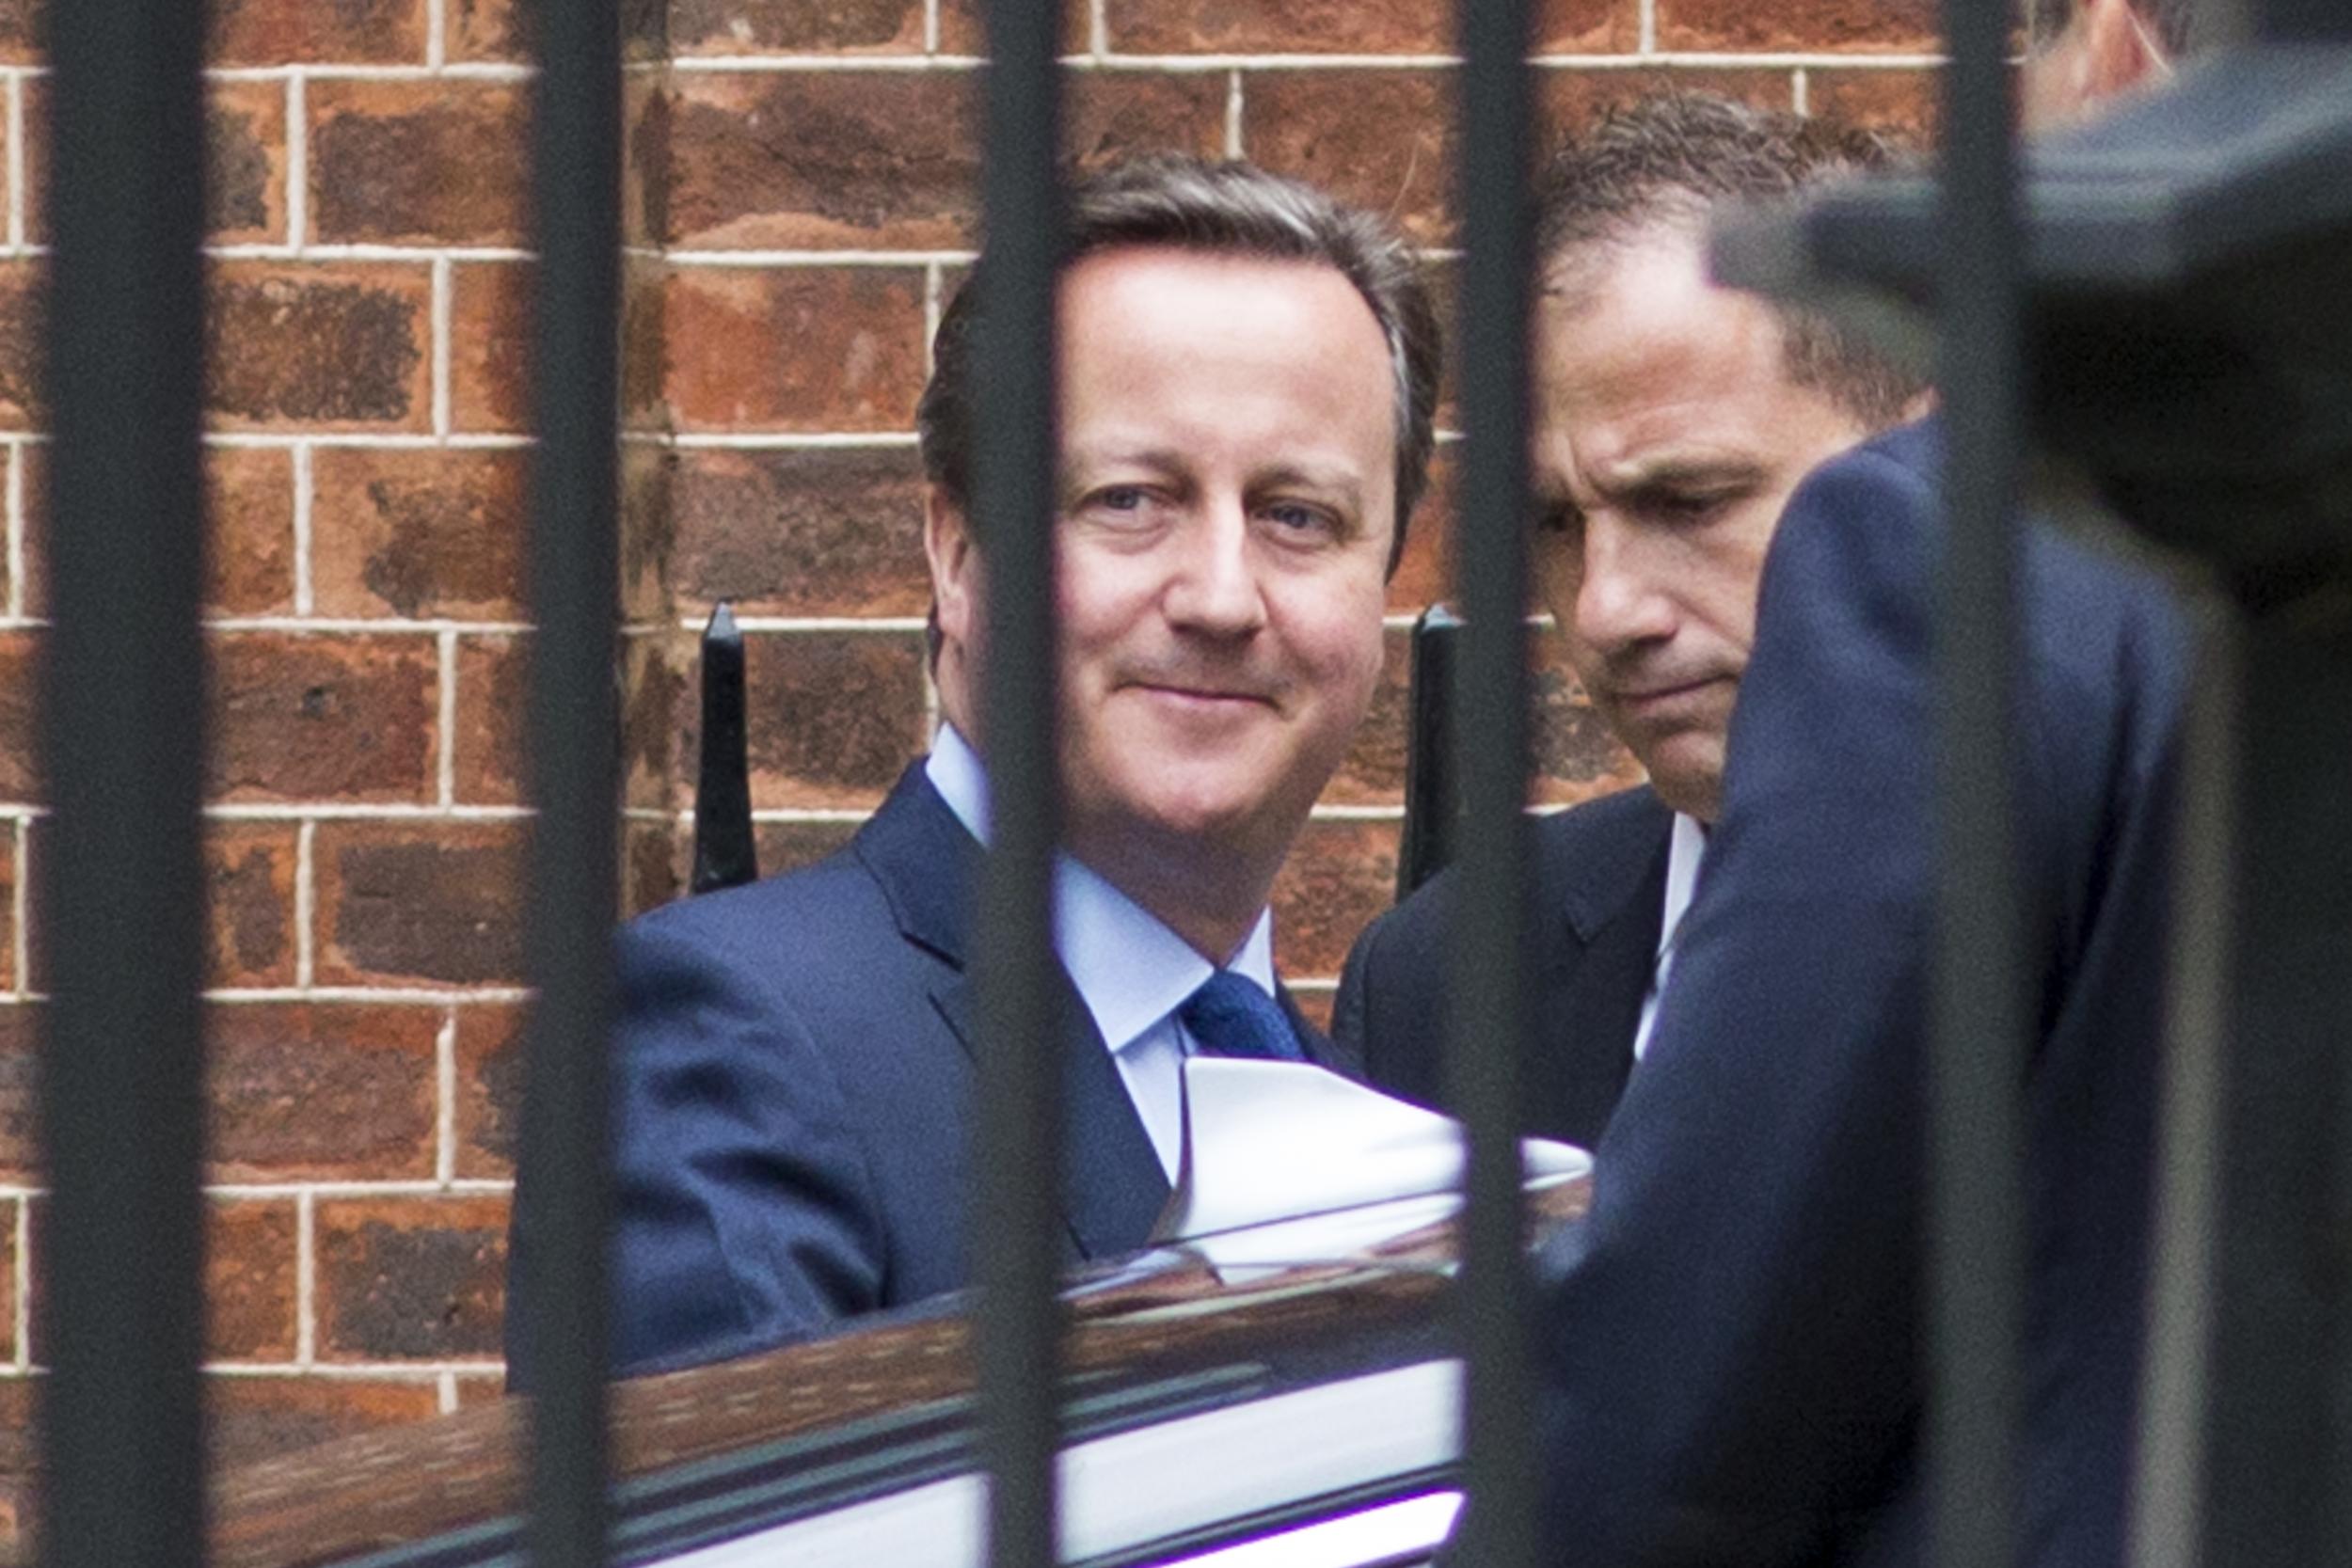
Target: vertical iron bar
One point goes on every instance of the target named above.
(123, 735)
(1978, 1050)
(1486, 1051)
(573, 868)
(1015, 1240)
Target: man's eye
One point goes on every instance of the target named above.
(1299, 517)
(1691, 506)
(1120, 497)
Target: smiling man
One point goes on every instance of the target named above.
(1673, 420)
(1249, 373)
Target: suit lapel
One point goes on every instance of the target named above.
(927, 864)
(1599, 950)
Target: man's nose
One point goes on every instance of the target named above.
(1214, 588)
(1621, 599)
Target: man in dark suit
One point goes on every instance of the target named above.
(1735, 1340)
(1673, 420)
(1247, 375)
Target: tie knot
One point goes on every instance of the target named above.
(1229, 1016)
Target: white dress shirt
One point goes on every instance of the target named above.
(1683, 853)
(1131, 971)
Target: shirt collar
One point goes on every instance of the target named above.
(1130, 970)
(1684, 852)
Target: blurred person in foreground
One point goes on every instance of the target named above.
(1734, 1343)
(1672, 419)
(1248, 379)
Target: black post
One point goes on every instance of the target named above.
(1976, 1055)
(573, 868)
(1433, 796)
(725, 852)
(123, 741)
(1486, 1049)
(1015, 1242)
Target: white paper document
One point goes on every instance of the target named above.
(1345, 1167)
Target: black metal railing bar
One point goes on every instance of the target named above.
(572, 869)
(1486, 1049)
(1979, 1016)
(123, 738)
(1016, 1232)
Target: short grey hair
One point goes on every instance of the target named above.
(1220, 207)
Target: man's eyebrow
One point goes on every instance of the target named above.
(1685, 471)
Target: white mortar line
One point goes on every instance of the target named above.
(306, 905)
(683, 258)
(367, 251)
(444, 307)
(389, 996)
(349, 624)
(1800, 90)
(306, 1282)
(435, 35)
(303, 599)
(445, 1090)
(1198, 64)
(1233, 105)
(480, 70)
(1646, 42)
(930, 26)
(1098, 30)
(892, 624)
(1356, 814)
(783, 439)
(329, 811)
(448, 1392)
(362, 440)
(428, 1372)
(16, 160)
(298, 162)
(934, 293)
(447, 769)
(348, 1191)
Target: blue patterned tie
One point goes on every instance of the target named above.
(1229, 1016)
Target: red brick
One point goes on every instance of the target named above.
(17, 1469)
(647, 531)
(19, 667)
(349, 32)
(19, 1156)
(251, 870)
(1314, 1000)
(1740, 25)
(1382, 139)
(657, 683)
(703, 27)
(644, 159)
(21, 405)
(244, 132)
(1904, 104)
(819, 349)
(1352, 28)
(1373, 772)
(888, 159)
(419, 903)
(1574, 754)
(835, 716)
(493, 672)
(789, 845)
(824, 532)
(249, 505)
(473, 1391)
(488, 1111)
(418, 161)
(410, 1278)
(19, 32)
(339, 347)
(249, 1288)
(309, 717)
(321, 1091)
(249, 1419)
(489, 346)
(500, 30)
(8, 883)
(421, 534)
(1340, 874)
(1424, 573)
(656, 865)
(8, 1280)
(244, 145)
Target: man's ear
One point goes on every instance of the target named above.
(954, 558)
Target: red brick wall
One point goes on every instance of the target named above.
(800, 192)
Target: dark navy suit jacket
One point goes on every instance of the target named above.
(1735, 1338)
(1600, 880)
(796, 1070)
